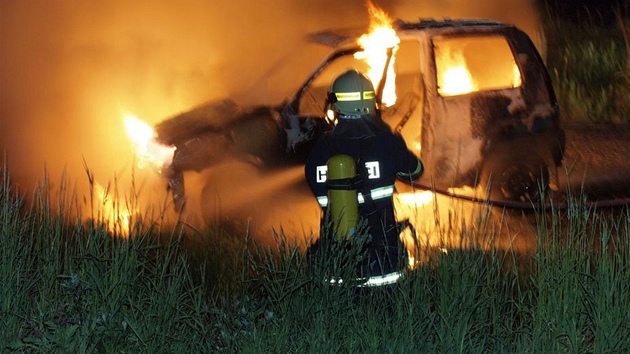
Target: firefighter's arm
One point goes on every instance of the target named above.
(412, 174)
(410, 167)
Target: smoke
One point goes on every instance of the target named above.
(71, 69)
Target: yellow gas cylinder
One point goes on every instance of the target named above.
(342, 197)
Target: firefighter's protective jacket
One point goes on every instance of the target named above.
(384, 156)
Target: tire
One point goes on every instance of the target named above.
(517, 177)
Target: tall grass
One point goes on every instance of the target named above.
(73, 286)
(67, 285)
(582, 283)
(570, 297)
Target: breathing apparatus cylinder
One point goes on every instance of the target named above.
(342, 195)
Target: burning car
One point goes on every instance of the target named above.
(472, 98)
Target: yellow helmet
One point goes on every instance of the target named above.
(352, 95)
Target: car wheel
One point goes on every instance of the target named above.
(514, 177)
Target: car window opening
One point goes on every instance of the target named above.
(471, 64)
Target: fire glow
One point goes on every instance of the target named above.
(115, 216)
(150, 152)
(376, 46)
(456, 79)
(470, 64)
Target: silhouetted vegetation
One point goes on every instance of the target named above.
(588, 57)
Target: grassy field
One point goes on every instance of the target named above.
(72, 286)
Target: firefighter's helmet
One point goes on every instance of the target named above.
(352, 95)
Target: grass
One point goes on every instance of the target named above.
(69, 285)
(73, 287)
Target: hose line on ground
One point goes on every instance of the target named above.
(516, 204)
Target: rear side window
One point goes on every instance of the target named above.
(474, 63)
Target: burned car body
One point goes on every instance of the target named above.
(473, 101)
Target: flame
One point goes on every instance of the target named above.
(432, 216)
(115, 216)
(411, 206)
(470, 64)
(376, 44)
(456, 78)
(416, 199)
(150, 152)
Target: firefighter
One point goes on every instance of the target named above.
(380, 156)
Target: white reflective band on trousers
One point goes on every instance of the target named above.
(374, 281)
(381, 280)
(376, 193)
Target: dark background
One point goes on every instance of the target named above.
(597, 12)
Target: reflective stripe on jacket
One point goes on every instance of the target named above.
(376, 193)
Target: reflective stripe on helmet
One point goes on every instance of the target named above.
(348, 96)
(354, 96)
(368, 95)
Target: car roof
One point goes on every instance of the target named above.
(339, 37)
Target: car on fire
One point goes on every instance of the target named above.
(473, 100)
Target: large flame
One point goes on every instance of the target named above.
(149, 151)
(376, 44)
(470, 64)
(456, 78)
